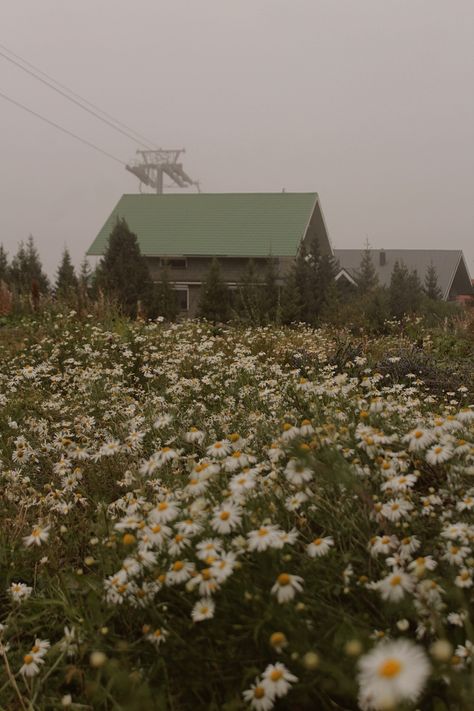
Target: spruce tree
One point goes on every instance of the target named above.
(165, 302)
(214, 304)
(4, 267)
(249, 303)
(271, 293)
(123, 273)
(291, 303)
(404, 291)
(66, 280)
(26, 271)
(431, 287)
(85, 277)
(366, 276)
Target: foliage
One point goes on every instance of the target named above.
(26, 275)
(367, 278)
(66, 280)
(123, 273)
(164, 298)
(144, 465)
(215, 298)
(431, 286)
(404, 291)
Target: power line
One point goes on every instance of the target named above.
(61, 128)
(78, 100)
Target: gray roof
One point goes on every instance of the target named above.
(445, 261)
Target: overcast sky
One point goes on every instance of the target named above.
(368, 102)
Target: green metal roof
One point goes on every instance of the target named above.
(220, 224)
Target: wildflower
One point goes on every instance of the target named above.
(320, 546)
(439, 454)
(194, 436)
(263, 538)
(286, 586)
(157, 636)
(391, 674)
(464, 578)
(219, 449)
(278, 641)
(394, 586)
(203, 610)
(258, 697)
(37, 536)
(164, 512)
(19, 591)
(31, 664)
(277, 680)
(297, 473)
(419, 439)
(226, 517)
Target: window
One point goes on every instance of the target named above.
(182, 297)
(173, 262)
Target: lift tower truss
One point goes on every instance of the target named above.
(152, 165)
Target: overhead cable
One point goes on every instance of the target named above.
(61, 128)
(75, 98)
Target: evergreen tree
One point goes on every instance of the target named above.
(4, 267)
(85, 276)
(214, 303)
(366, 277)
(26, 270)
(123, 273)
(404, 291)
(66, 280)
(165, 302)
(271, 293)
(431, 287)
(250, 297)
(291, 303)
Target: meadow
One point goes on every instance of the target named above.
(229, 518)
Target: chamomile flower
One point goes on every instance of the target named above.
(392, 673)
(320, 546)
(286, 587)
(20, 591)
(203, 610)
(37, 536)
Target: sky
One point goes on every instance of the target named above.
(370, 103)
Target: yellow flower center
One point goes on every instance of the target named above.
(418, 434)
(438, 450)
(224, 515)
(283, 579)
(276, 675)
(396, 580)
(262, 531)
(162, 506)
(28, 659)
(178, 565)
(390, 668)
(317, 541)
(128, 539)
(259, 692)
(156, 529)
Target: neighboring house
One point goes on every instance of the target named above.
(184, 232)
(451, 269)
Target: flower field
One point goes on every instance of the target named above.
(195, 517)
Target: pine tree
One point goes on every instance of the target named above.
(66, 280)
(4, 267)
(26, 271)
(123, 273)
(214, 304)
(366, 276)
(85, 276)
(431, 287)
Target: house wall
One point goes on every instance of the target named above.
(195, 273)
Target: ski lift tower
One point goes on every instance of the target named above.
(152, 165)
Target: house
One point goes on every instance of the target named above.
(451, 269)
(184, 232)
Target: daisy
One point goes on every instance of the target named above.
(395, 509)
(243, 482)
(422, 564)
(37, 536)
(40, 647)
(164, 512)
(439, 454)
(259, 697)
(180, 572)
(320, 546)
(263, 538)
(464, 579)
(194, 436)
(286, 586)
(226, 517)
(219, 449)
(31, 664)
(392, 673)
(203, 610)
(19, 591)
(157, 637)
(419, 439)
(296, 472)
(277, 680)
(394, 586)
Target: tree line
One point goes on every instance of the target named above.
(310, 292)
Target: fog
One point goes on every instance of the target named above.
(370, 103)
